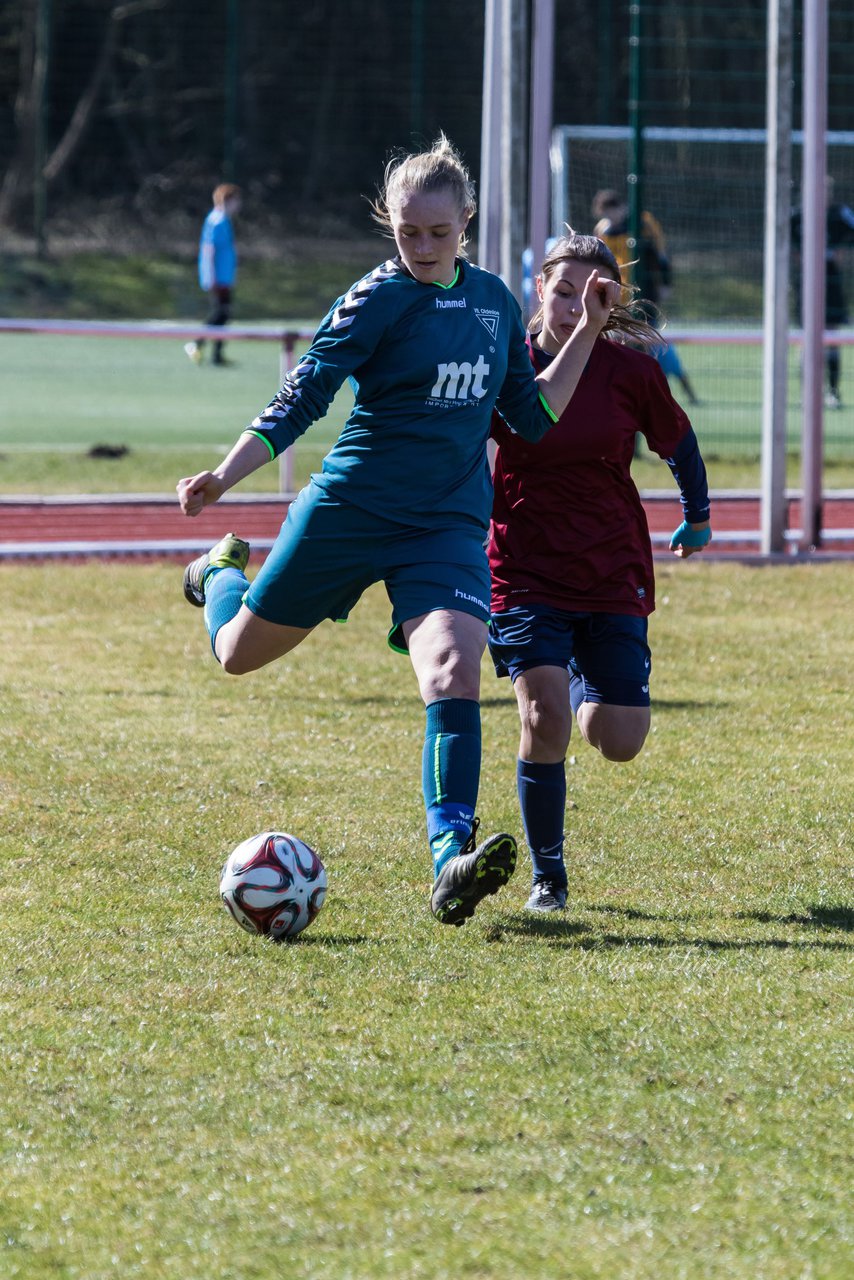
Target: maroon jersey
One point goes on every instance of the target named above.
(568, 528)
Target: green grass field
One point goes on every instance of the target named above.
(61, 396)
(658, 1085)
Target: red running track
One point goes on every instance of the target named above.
(134, 525)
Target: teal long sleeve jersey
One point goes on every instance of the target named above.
(427, 364)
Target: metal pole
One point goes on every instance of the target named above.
(286, 459)
(542, 82)
(416, 88)
(489, 222)
(635, 176)
(232, 81)
(778, 178)
(41, 63)
(814, 241)
(514, 142)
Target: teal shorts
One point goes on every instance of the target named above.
(329, 552)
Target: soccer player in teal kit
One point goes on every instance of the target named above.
(431, 344)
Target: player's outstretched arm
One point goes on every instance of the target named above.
(558, 382)
(199, 491)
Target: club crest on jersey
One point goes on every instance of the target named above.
(489, 319)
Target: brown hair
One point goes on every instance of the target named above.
(605, 200)
(625, 323)
(225, 191)
(439, 169)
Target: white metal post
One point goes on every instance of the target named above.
(286, 459)
(489, 197)
(778, 176)
(813, 247)
(514, 141)
(542, 84)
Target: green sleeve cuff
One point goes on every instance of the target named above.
(549, 410)
(263, 439)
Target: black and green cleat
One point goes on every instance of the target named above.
(472, 875)
(230, 552)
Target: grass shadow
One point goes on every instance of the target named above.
(307, 939)
(536, 925)
(688, 704)
(835, 916)
(575, 933)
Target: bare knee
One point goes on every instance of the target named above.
(620, 750)
(617, 733)
(445, 648)
(230, 658)
(449, 675)
(546, 727)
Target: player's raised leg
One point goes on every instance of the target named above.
(241, 641)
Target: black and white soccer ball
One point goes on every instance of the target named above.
(273, 884)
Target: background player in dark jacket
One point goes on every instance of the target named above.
(650, 270)
(840, 234)
(570, 553)
(431, 344)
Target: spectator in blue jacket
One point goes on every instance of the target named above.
(217, 266)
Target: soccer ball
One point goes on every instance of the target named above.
(273, 884)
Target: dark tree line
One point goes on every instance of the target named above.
(147, 101)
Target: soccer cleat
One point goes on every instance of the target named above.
(832, 400)
(472, 875)
(230, 552)
(546, 897)
(194, 352)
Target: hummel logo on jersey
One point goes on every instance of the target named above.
(441, 303)
(454, 381)
(489, 319)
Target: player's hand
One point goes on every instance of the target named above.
(690, 538)
(197, 492)
(600, 295)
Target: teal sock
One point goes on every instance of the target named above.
(224, 592)
(450, 774)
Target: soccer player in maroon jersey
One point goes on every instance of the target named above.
(570, 553)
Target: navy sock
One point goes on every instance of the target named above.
(542, 799)
(450, 774)
(224, 592)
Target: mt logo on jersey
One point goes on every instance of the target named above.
(459, 380)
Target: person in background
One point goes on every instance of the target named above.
(652, 271)
(840, 234)
(431, 344)
(218, 266)
(570, 554)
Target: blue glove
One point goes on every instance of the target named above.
(685, 536)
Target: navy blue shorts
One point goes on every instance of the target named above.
(329, 552)
(606, 654)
